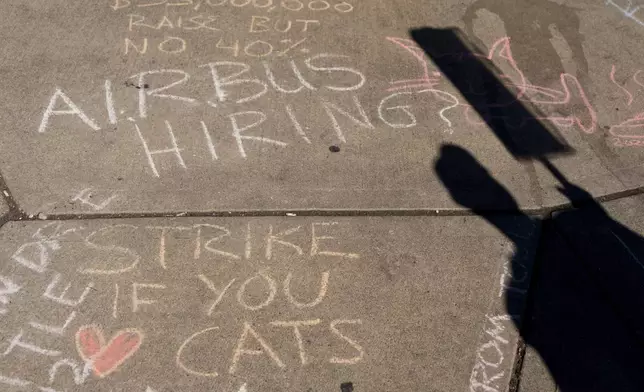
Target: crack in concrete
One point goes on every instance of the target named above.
(17, 214)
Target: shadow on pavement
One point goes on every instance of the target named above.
(535, 22)
(585, 314)
(516, 125)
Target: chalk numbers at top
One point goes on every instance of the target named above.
(291, 5)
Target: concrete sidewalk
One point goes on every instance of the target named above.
(321, 195)
(160, 106)
(271, 303)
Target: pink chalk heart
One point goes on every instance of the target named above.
(106, 358)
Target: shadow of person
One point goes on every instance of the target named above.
(585, 303)
(534, 26)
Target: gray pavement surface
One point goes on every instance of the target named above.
(270, 303)
(157, 106)
(583, 329)
(162, 117)
(535, 376)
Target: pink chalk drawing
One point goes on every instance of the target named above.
(570, 95)
(502, 52)
(629, 132)
(547, 97)
(427, 82)
(106, 357)
(628, 93)
(641, 84)
(632, 128)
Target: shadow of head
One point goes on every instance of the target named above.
(469, 183)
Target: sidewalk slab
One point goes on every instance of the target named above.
(628, 211)
(260, 304)
(147, 106)
(535, 375)
(608, 240)
(576, 339)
